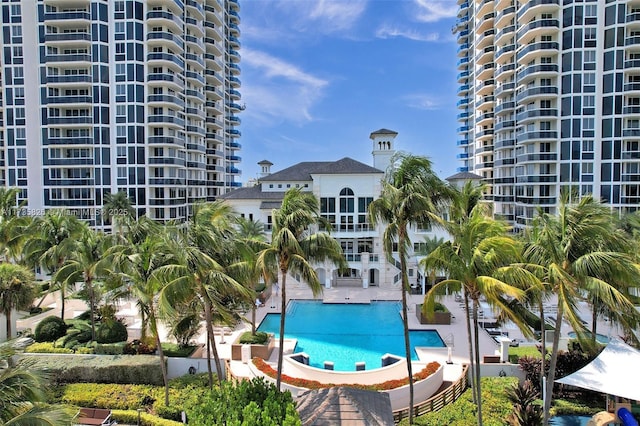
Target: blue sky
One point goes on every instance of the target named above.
(318, 76)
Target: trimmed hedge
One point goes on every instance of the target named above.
(50, 329)
(126, 369)
(131, 417)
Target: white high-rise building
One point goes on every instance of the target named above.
(550, 101)
(101, 96)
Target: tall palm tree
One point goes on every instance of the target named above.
(87, 264)
(17, 291)
(579, 251)
(294, 245)
(139, 267)
(12, 225)
(202, 273)
(411, 195)
(50, 243)
(251, 240)
(479, 247)
(22, 399)
(118, 210)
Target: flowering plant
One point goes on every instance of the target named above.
(268, 370)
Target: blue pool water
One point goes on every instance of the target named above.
(569, 420)
(601, 338)
(348, 333)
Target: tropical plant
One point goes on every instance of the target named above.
(22, 397)
(294, 245)
(478, 249)
(411, 195)
(526, 410)
(139, 268)
(201, 274)
(579, 251)
(50, 329)
(87, 264)
(13, 225)
(117, 209)
(49, 245)
(17, 291)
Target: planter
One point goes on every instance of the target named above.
(439, 318)
(260, 351)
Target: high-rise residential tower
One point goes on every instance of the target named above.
(101, 96)
(550, 101)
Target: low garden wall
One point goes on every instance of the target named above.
(257, 351)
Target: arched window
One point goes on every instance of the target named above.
(347, 200)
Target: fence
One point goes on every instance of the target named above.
(438, 401)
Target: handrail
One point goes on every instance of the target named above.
(437, 401)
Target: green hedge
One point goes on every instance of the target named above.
(495, 406)
(132, 369)
(131, 417)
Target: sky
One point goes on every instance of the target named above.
(318, 76)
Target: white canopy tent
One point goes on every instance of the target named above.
(614, 372)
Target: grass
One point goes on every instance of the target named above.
(174, 350)
(521, 351)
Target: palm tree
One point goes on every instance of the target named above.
(579, 251)
(17, 291)
(294, 245)
(479, 247)
(118, 210)
(251, 240)
(139, 267)
(202, 273)
(12, 225)
(411, 194)
(22, 399)
(86, 264)
(50, 243)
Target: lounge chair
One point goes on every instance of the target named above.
(93, 416)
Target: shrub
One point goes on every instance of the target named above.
(254, 402)
(138, 347)
(50, 329)
(526, 410)
(99, 369)
(111, 331)
(260, 338)
(110, 348)
(146, 419)
(46, 348)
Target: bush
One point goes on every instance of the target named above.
(99, 369)
(110, 348)
(46, 348)
(260, 338)
(138, 347)
(131, 417)
(111, 331)
(527, 411)
(254, 402)
(50, 329)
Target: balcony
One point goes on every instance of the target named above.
(539, 91)
(79, 57)
(505, 143)
(505, 106)
(166, 57)
(83, 38)
(535, 7)
(536, 70)
(533, 50)
(69, 100)
(543, 135)
(537, 28)
(75, 16)
(543, 157)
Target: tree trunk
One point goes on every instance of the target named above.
(553, 361)
(477, 358)
(7, 316)
(543, 339)
(594, 324)
(283, 309)
(405, 319)
(214, 349)
(209, 359)
(253, 319)
(472, 364)
(163, 365)
(62, 297)
(89, 286)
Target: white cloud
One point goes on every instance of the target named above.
(334, 15)
(281, 91)
(422, 101)
(435, 10)
(387, 31)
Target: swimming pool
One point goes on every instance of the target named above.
(601, 338)
(348, 333)
(567, 420)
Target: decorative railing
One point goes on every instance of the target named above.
(437, 401)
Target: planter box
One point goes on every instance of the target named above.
(439, 318)
(260, 351)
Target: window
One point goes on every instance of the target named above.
(121, 110)
(119, 27)
(589, 56)
(18, 72)
(590, 11)
(122, 172)
(587, 146)
(121, 89)
(21, 153)
(17, 51)
(590, 33)
(19, 112)
(16, 30)
(588, 123)
(588, 101)
(121, 69)
(121, 131)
